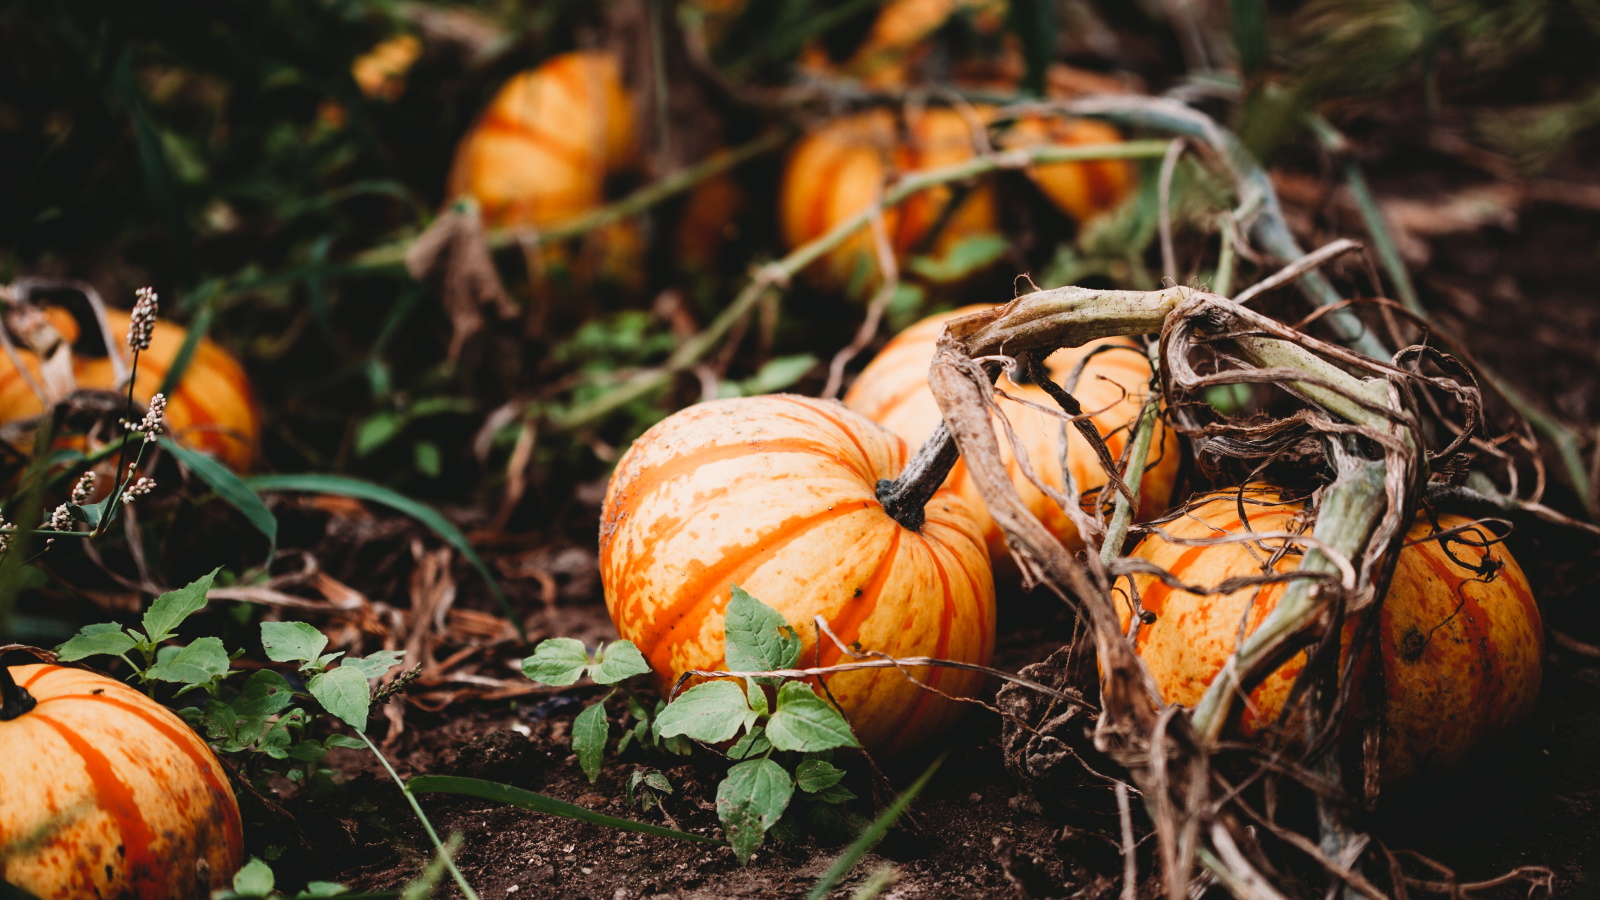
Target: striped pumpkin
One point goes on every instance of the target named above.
(212, 409)
(777, 495)
(1081, 190)
(539, 155)
(893, 391)
(841, 169)
(1459, 636)
(105, 793)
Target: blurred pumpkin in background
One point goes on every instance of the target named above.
(540, 153)
(842, 168)
(1081, 190)
(212, 408)
(380, 74)
(900, 38)
(709, 220)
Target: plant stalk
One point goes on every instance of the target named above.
(905, 499)
(14, 698)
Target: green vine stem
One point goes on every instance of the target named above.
(14, 698)
(438, 845)
(773, 275)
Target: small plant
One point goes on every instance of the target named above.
(255, 880)
(783, 734)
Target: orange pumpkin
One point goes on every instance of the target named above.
(540, 153)
(777, 494)
(842, 168)
(899, 39)
(1082, 190)
(1459, 640)
(105, 793)
(212, 409)
(893, 391)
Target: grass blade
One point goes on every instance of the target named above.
(230, 488)
(873, 833)
(511, 796)
(344, 486)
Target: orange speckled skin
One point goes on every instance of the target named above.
(105, 793)
(1461, 650)
(541, 151)
(1082, 190)
(776, 494)
(841, 168)
(893, 391)
(213, 408)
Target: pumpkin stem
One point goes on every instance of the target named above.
(904, 498)
(14, 698)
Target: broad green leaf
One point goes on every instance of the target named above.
(231, 488)
(805, 722)
(758, 638)
(255, 878)
(710, 712)
(749, 801)
(657, 780)
(427, 515)
(292, 642)
(198, 663)
(836, 794)
(621, 660)
(345, 741)
(107, 638)
(343, 692)
(504, 793)
(265, 693)
(322, 889)
(376, 665)
(813, 775)
(377, 431)
(778, 374)
(590, 730)
(970, 254)
(557, 662)
(170, 609)
(308, 751)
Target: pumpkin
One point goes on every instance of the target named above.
(540, 153)
(380, 74)
(893, 391)
(105, 793)
(1081, 190)
(1459, 638)
(777, 495)
(900, 38)
(212, 409)
(841, 169)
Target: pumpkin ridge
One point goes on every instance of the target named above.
(652, 478)
(941, 646)
(184, 740)
(847, 628)
(826, 415)
(40, 673)
(1469, 612)
(859, 470)
(705, 590)
(112, 793)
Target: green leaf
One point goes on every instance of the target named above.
(758, 638)
(255, 878)
(813, 775)
(836, 794)
(107, 638)
(376, 665)
(265, 693)
(557, 662)
(753, 743)
(590, 731)
(308, 751)
(377, 431)
(427, 458)
(970, 254)
(710, 712)
(620, 660)
(198, 663)
(170, 609)
(292, 642)
(749, 801)
(871, 835)
(345, 741)
(427, 515)
(778, 374)
(504, 793)
(230, 488)
(343, 692)
(315, 889)
(805, 722)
